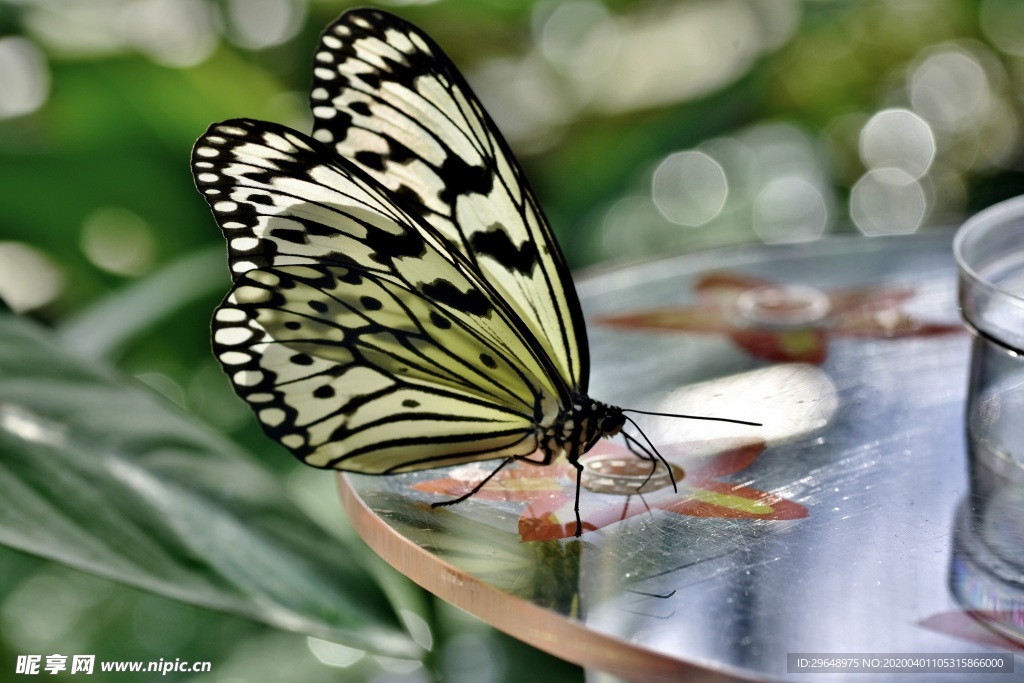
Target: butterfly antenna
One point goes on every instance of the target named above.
(690, 417)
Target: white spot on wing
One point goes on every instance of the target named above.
(272, 416)
(230, 315)
(244, 243)
(418, 42)
(400, 41)
(248, 378)
(232, 336)
(234, 358)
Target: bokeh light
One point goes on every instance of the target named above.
(580, 38)
(418, 628)
(898, 138)
(24, 77)
(689, 188)
(790, 209)
(696, 47)
(888, 201)
(792, 201)
(634, 227)
(259, 24)
(950, 89)
(48, 605)
(739, 164)
(334, 654)
(28, 277)
(176, 33)
(524, 99)
(118, 240)
(165, 385)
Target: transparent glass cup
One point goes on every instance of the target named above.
(988, 567)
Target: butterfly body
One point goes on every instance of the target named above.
(579, 427)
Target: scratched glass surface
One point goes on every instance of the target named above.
(828, 530)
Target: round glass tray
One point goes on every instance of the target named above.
(828, 530)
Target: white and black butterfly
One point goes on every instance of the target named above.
(399, 300)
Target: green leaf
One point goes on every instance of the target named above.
(103, 329)
(102, 475)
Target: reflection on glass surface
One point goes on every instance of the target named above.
(785, 321)
(789, 400)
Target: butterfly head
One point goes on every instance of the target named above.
(609, 419)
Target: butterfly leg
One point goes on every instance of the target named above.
(579, 482)
(650, 452)
(637, 449)
(476, 489)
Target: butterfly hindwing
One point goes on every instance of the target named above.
(385, 96)
(361, 341)
(345, 369)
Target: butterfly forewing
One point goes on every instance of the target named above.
(385, 96)
(361, 340)
(282, 199)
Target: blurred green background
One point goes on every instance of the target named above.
(645, 128)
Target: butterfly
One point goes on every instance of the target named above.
(399, 301)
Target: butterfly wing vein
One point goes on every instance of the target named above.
(399, 301)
